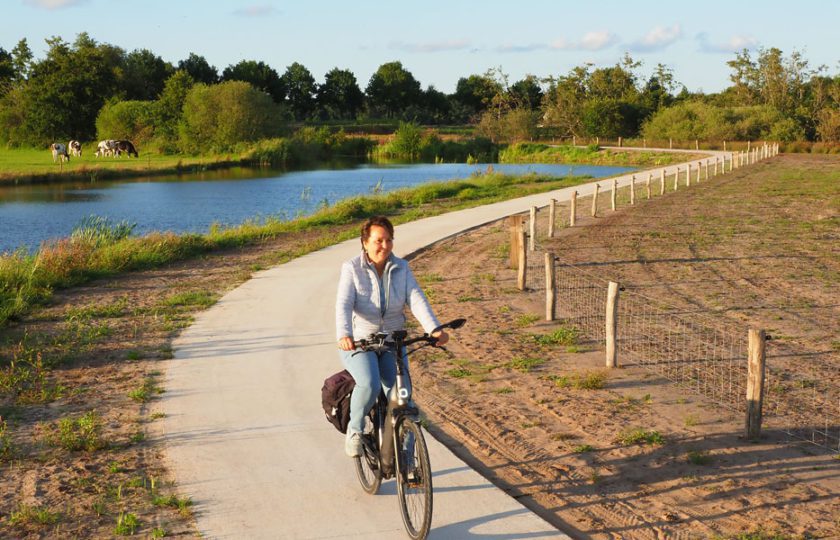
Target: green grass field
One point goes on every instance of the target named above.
(23, 163)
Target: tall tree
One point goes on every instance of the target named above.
(260, 75)
(7, 71)
(170, 106)
(393, 89)
(144, 75)
(527, 93)
(65, 91)
(340, 96)
(300, 90)
(22, 60)
(199, 69)
(476, 92)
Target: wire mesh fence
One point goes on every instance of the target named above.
(697, 350)
(704, 354)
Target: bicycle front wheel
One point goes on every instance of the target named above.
(414, 479)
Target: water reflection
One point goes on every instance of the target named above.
(192, 202)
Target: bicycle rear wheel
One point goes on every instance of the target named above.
(414, 479)
(368, 468)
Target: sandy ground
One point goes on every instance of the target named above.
(558, 448)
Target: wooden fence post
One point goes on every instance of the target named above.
(724, 146)
(595, 200)
(550, 287)
(515, 226)
(619, 142)
(670, 144)
(532, 230)
(755, 382)
(707, 170)
(647, 184)
(688, 175)
(662, 181)
(612, 324)
(573, 209)
(633, 189)
(716, 165)
(522, 262)
(614, 187)
(676, 178)
(551, 211)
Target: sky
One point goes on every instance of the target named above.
(440, 41)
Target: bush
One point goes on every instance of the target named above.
(217, 118)
(692, 120)
(131, 120)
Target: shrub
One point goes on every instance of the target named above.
(218, 117)
(132, 120)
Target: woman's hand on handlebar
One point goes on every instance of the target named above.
(346, 344)
(442, 338)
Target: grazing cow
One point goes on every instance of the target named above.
(106, 148)
(127, 147)
(59, 151)
(75, 148)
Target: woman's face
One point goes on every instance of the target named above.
(379, 244)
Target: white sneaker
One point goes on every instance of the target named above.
(353, 444)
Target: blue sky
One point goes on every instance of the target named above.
(440, 41)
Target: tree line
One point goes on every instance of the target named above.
(87, 90)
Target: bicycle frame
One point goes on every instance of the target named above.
(398, 405)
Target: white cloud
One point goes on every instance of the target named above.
(521, 48)
(53, 4)
(657, 39)
(430, 47)
(562, 44)
(596, 41)
(255, 11)
(735, 44)
(591, 41)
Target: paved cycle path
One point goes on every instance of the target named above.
(245, 435)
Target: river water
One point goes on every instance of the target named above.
(32, 214)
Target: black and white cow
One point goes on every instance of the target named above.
(75, 148)
(106, 148)
(127, 147)
(59, 151)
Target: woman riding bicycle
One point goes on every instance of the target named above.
(373, 290)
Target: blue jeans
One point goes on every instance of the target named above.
(372, 371)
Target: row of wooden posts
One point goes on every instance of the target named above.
(719, 166)
(519, 259)
(671, 143)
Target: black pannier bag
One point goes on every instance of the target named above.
(335, 398)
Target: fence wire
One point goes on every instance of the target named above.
(698, 351)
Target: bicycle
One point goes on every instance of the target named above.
(395, 419)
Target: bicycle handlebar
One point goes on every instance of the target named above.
(379, 341)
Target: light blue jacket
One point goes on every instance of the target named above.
(358, 307)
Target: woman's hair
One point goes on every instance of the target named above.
(380, 221)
